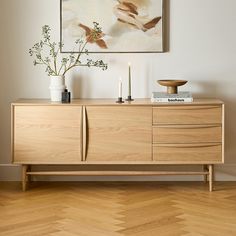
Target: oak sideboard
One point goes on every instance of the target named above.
(100, 132)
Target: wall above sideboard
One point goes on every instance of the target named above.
(202, 50)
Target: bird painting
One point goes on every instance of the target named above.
(126, 25)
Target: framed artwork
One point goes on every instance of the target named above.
(128, 26)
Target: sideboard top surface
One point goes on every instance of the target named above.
(109, 102)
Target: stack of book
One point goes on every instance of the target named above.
(165, 97)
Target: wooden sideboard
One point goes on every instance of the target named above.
(102, 132)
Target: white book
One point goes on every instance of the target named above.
(171, 99)
(165, 97)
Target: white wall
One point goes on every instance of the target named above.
(202, 50)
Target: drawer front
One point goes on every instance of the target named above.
(187, 134)
(188, 153)
(187, 115)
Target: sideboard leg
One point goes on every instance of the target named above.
(205, 176)
(24, 177)
(211, 170)
(28, 177)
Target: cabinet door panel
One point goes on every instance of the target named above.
(47, 134)
(119, 133)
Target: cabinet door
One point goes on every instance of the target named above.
(119, 133)
(47, 134)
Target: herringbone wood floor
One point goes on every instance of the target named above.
(118, 209)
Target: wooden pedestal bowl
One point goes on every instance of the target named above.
(172, 85)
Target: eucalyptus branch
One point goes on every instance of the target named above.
(58, 50)
(52, 49)
(54, 57)
(46, 63)
(60, 69)
(53, 53)
(77, 59)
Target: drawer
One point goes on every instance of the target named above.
(187, 153)
(187, 134)
(187, 114)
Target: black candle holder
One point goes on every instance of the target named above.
(120, 100)
(129, 99)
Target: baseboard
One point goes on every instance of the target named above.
(10, 172)
(226, 172)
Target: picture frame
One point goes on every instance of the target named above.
(128, 26)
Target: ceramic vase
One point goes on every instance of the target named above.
(57, 86)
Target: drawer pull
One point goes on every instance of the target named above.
(81, 134)
(198, 145)
(187, 126)
(84, 133)
(186, 107)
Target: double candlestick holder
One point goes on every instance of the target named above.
(120, 99)
(129, 98)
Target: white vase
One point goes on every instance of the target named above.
(57, 86)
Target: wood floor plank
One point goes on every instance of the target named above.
(118, 209)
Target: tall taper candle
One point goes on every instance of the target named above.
(129, 93)
(120, 88)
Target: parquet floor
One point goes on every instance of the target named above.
(118, 209)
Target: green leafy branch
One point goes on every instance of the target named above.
(56, 66)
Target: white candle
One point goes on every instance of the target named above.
(129, 87)
(120, 88)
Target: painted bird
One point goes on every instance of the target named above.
(98, 40)
(127, 12)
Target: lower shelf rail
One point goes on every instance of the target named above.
(207, 172)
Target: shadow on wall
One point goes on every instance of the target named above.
(209, 89)
(78, 85)
(215, 90)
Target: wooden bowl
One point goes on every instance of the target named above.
(172, 85)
